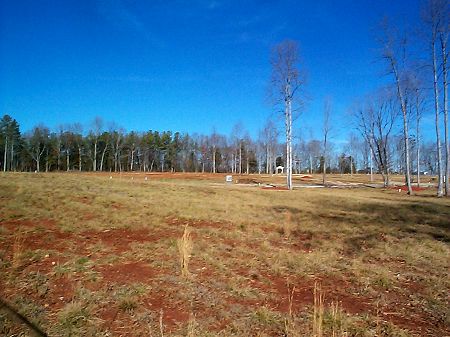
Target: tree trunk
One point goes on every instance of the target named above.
(436, 110)
(5, 154)
(94, 162)
(371, 165)
(79, 158)
(103, 157)
(11, 159)
(214, 160)
(132, 160)
(288, 143)
(46, 161)
(240, 157)
(324, 169)
(58, 159)
(418, 141)
(68, 161)
(405, 127)
(443, 40)
(247, 162)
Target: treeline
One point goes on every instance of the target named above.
(70, 149)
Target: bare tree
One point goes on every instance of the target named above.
(236, 139)
(37, 143)
(375, 121)
(285, 84)
(418, 101)
(97, 127)
(326, 133)
(443, 38)
(433, 18)
(269, 135)
(393, 51)
(214, 142)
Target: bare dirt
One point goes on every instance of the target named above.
(45, 235)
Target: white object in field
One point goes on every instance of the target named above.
(280, 169)
(110, 177)
(145, 178)
(132, 178)
(399, 189)
(229, 179)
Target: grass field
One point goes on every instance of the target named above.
(188, 255)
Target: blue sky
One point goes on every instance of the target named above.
(187, 66)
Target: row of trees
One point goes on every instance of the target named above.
(418, 68)
(381, 145)
(376, 115)
(69, 148)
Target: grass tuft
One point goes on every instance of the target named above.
(185, 246)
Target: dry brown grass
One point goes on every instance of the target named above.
(372, 242)
(18, 248)
(185, 247)
(317, 324)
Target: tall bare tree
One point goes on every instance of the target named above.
(393, 51)
(444, 28)
(432, 17)
(285, 84)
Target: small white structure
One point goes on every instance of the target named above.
(229, 179)
(279, 169)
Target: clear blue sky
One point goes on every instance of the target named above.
(184, 66)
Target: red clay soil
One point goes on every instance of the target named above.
(60, 292)
(118, 238)
(118, 322)
(274, 288)
(335, 290)
(15, 224)
(127, 273)
(173, 312)
(121, 239)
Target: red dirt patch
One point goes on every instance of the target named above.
(119, 238)
(60, 292)
(51, 239)
(335, 290)
(127, 272)
(18, 223)
(173, 311)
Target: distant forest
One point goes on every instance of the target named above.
(111, 149)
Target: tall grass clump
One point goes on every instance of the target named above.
(318, 311)
(17, 249)
(185, 246)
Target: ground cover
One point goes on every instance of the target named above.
(99, 254)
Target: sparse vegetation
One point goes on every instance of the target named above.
(379, 256)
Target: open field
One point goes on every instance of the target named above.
(86, 255)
